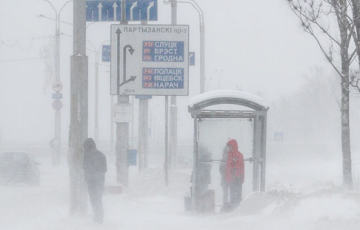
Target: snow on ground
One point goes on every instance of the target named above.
(307, 203)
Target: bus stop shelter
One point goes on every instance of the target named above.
(225, 105)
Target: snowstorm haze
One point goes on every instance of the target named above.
(247, 47)
(258, 47)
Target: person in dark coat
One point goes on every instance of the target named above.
(94, 171)
(224, 184)
(234, 173)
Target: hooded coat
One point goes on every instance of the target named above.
(234, 168)
(94, 163)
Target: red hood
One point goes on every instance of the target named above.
(235, 163)
(234, 145)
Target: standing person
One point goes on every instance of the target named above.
(224, 183)
(94, 170)
(234, 172)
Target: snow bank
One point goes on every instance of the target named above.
(320, 206)
(150, 205)
(151, 182)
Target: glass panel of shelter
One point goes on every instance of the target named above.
(213, 134)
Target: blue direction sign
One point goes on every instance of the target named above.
(163, 51)
(141, 10)
(107, 10)
(106, 53)
(110, 10)
(163, 78)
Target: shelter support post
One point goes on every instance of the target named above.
(256, 152)
(263, 153)
(195, 166)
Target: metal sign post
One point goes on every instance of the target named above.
(122, 127)
(173, 107)
(78, 111)
(143, 128)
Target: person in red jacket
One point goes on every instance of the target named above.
(234, 172)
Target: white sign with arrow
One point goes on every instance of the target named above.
(149, 60)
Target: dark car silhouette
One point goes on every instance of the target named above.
(18, 167)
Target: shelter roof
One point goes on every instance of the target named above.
(228, 95)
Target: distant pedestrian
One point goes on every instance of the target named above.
(94, 170)
(234, 173)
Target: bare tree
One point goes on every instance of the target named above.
(340, 45)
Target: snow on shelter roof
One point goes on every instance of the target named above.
(233, 94)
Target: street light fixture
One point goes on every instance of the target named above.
(53, 19)
(202, 40)
(56, 149)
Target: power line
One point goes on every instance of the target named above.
(20, 60)
(11, 43)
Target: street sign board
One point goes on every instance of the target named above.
(150, 60)
(57, 96)
(106, 53)
(192, 58)
(110, 10)
(57, 104)
(57, 86)
(141, 10)
(97, 11)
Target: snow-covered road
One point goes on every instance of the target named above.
(149, 205)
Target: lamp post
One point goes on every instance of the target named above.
(57, 86)
(97, 52)
(202, 40)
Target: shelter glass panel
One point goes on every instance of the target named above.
(213, 134)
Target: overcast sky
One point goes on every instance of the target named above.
(255, 46)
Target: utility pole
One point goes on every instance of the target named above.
(202, 41)
(97, 61)
(112, 128)
(56, 150)
(143, 133)
(78, 110)
(143, 129)
(57, 87)
(202, 52)
(122, 130)
(96, 128)
(173, 107)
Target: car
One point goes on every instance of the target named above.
(18, 167)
